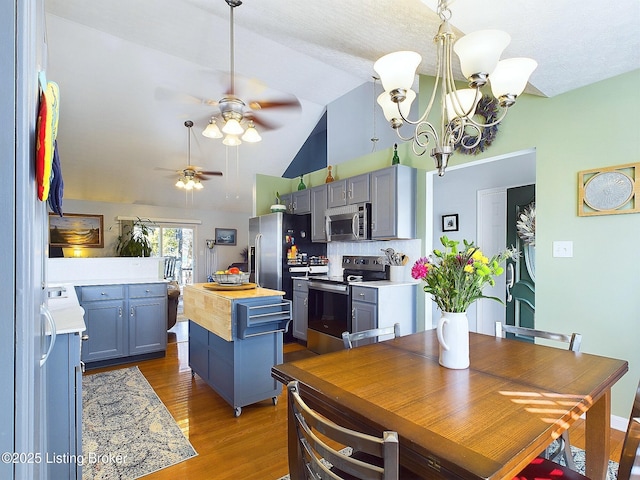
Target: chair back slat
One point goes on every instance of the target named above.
(350, 338)
(574, 340)
(317, 435)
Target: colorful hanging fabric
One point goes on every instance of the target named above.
(46, 132)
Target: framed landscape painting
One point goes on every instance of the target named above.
(226, 236)
(76, 230)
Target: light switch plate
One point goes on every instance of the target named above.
(563, 248)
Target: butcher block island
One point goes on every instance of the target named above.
(235, 337)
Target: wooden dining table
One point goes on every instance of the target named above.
(484, 422)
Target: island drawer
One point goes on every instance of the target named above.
(100, 292)
(147, 290)
(261, 318)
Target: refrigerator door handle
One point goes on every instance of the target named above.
(327, 227)
(44, 311)
(258, 256)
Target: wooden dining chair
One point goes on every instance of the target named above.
(350, 338)
(628, 469)
(376, 458)
(573, 341)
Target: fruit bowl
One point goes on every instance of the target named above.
(231, 278)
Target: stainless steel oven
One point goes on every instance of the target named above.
(329, 309)
(329, 301)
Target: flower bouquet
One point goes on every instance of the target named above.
(455, 279)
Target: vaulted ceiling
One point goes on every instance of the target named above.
(130, 74)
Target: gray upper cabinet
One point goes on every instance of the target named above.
(318, 206)
(348, 191)
(301, 201)
(287, 200)
(393, 203)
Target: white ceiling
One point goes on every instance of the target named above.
(130, 74)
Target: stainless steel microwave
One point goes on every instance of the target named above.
(350, 223)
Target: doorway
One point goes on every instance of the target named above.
(175, 241)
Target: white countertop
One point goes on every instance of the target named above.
(118, 281)
(66, 311)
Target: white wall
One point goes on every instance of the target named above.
(224, 255)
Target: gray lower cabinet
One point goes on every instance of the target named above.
(393, 204)
(383, 306)
(123, 320)
(64, 408)
(300, 310)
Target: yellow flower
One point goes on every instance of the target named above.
(478, 256)
(468, 268)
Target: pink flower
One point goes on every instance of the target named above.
(420, 269)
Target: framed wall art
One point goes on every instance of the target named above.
(76, 230)
(609, 190)
(226, 236)
(450, 222)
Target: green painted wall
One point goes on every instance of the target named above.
(597, 291)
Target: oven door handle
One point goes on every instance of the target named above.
(328, 287)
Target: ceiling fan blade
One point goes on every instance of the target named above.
(262, 122)
(166, 95)
(284, 103)
(207, 173)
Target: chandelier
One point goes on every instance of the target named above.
(232, 109)
(189, 176)
(479, 53)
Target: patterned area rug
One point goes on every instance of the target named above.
(578, 457)
(127, 431)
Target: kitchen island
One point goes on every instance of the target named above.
(235, 337)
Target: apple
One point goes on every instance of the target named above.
(234, 270)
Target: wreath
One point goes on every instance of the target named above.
(487, 109)
(526, 225)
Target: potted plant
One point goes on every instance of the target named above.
(134, 240)
(277, 207)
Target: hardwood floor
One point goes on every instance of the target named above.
(252, 446)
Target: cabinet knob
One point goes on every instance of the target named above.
(102, 293)
(147, 290)
(84, 337)
(361, 294)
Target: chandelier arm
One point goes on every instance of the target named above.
(404, 139)
(427, 131)
(495, 122)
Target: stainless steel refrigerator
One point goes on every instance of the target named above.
(270, 237)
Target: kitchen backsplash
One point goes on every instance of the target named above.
(335, 251)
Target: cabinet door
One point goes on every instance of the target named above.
(358, 189)
(301, 202)
(383, 204)
(147, 325)
(364, 317)
(105, 328)
(336, 193)
(287, 200)
(64, 406)
(318, 206)
(300, 314)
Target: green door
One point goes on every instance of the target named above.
(521, 273)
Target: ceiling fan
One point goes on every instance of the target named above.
(238, 117)
(191, 177)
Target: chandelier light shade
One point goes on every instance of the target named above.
(479, 54)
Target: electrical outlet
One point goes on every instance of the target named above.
(563, 248)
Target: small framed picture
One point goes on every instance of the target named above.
(226, 236)
(450, 223)
(76, 230)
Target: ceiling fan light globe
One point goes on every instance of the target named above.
(231, 141)
(232, 127)
(251, 135)
(180, 183)
(480, 51)
(198, 186)
(212, 131)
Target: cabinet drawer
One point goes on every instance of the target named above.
(364, 294)
(147, 290)
(101, 292)
(300, 285)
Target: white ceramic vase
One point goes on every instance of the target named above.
(453, 336)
